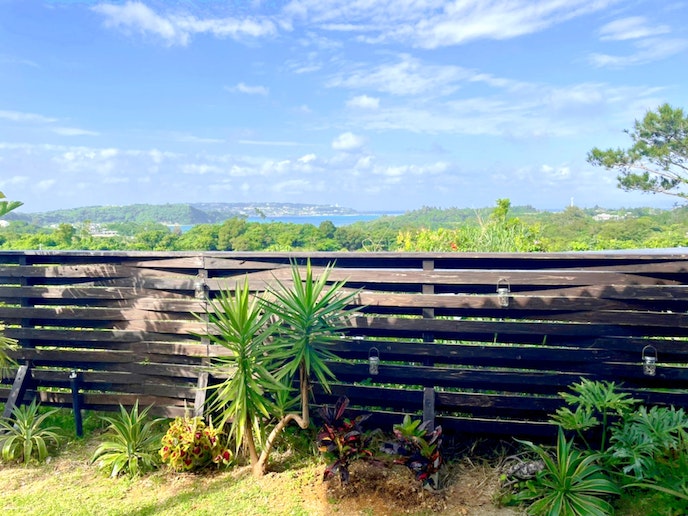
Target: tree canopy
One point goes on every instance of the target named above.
(657, 162)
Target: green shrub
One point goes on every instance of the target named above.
(418, 448)
(341, 439)
(570, 484)
(190, 444)
(23, 437)
(131, 443)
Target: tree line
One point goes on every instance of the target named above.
(502, 228)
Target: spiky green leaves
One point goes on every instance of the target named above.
(131, 443)
(312, 311)
(245, 329)
(571, 483)
(24, 437)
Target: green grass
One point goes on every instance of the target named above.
(67, 484)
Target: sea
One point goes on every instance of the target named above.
(337, 220)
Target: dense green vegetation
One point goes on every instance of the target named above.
(503, 228)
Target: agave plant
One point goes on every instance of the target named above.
(570, 484)
(23, 436)
(131, 443)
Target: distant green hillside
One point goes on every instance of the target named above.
(138, 213)
(201, 213)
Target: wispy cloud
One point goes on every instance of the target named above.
(18, 116)
(249, 90)
(190, 138)
(275, 143)
(73, 131)
(406, 76)
(427, 24)
(633, 27)
(646, 51)
(435, 23)
(177, 29)
(647, 43)
(363, 102)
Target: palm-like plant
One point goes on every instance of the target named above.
(571, 483)
(311, 312)
(243, 328)
(6, 362)
(23, 436)
(131, 443)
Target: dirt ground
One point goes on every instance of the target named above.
(466, 489)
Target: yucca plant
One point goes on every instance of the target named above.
(131, 443)
(244, 329)
(311, 311)
(6, 362)
(571, 483)
(23, 437)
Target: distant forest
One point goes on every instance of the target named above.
(502, 228)
(184, 214)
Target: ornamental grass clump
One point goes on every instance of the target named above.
(190, 444)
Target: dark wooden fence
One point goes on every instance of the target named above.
(122, 325)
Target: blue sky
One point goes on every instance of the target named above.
(369, 104)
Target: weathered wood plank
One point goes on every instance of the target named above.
(66, 271)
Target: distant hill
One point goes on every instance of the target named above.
(196, 213)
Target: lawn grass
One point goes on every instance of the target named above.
(69, 484)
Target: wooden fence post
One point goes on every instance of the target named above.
(201, 293)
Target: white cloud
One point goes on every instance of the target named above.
(363, 102)
(74, 131)
(45, 184)
(308, 158)
(437, 23)
(269, 143)
(18, 116)
(646, 51)
(407, 76)
(190, 138)
(177, 29)
(200, 169)
(347, 142)
(249, 90)
(633, 27)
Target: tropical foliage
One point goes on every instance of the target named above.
(245, 330)
(191, 444)
(24, 435)
(342, 439)
(571, 484)
(131, 444)
(417, 447)
(274, 340)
